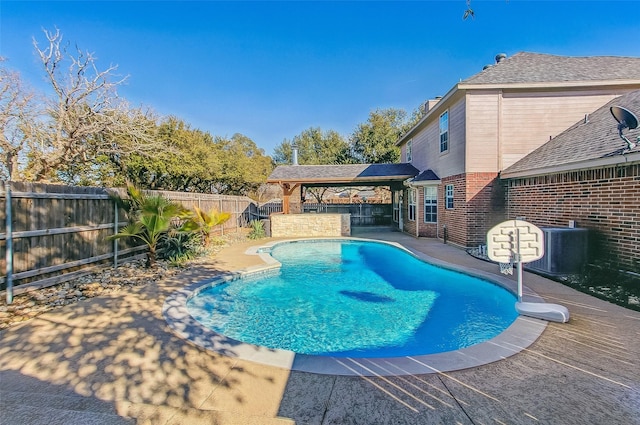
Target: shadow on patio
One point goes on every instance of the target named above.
(117, 350)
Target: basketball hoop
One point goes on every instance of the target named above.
(506, 268)
(515, 242)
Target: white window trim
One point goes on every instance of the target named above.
(411, 202)
(448, 196)
(396, 207)
(409, 151)
(440, 132)
(431, 204)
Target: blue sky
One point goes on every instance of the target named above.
(270, 70)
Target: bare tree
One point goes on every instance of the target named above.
(84, 117)
(317, 193)
(17, 114)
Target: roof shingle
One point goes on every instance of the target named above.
(525, 67)
(342, 173)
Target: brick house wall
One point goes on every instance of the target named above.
(453, 220)
(425, 230)
(604, 200)
(478, 205)
(485, 206)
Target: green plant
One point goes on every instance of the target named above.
(204, 223)
(257, 230)
(178, 245)
(150, 216)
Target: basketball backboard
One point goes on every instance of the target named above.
(515, 241)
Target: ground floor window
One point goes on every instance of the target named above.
(448, 196)
(396, 206)
(430, 204)
(412, 205)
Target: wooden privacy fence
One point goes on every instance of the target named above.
(57, 232)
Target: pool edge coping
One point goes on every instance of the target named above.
(523, 332)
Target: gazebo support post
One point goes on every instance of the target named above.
(287, 190)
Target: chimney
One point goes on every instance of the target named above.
(294, 159)
(500, 57)
(429, 104)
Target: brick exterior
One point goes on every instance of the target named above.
(605, 200)
(485, 206)
(426, 230)
(453, 220)
(478, 205)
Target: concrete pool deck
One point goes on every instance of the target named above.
(114, 360)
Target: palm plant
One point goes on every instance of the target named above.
(204, 223)
(149, 218)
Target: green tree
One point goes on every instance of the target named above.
(374, 141)
(244, 166)
(189, 161)
(315, 147)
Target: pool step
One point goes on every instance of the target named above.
(38, 408)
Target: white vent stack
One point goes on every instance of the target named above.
(294, 159)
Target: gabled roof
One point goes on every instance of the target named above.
(525, 67)
(363, 174)
(526, 71)
(583, 145)
(425, 177)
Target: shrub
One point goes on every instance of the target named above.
(257, 230)
(179, 246)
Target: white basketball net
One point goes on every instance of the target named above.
(506, 268)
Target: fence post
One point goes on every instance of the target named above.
(115, 230)
(237, 216)
(8, 241)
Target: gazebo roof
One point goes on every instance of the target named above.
(348, 174)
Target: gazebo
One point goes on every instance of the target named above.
(292, 177)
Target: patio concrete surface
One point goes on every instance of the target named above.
(113, 360)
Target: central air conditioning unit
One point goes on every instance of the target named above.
(565, 252)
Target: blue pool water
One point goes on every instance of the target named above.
(356, 299)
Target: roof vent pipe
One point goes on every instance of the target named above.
(500, 57)
(294, 159)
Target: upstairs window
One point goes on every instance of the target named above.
(448, 196)
(430, 204)
(409, 151)
(444, 131)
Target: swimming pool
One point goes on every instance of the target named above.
(347, 298)
(520, 334)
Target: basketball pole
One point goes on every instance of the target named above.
(518, 260)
